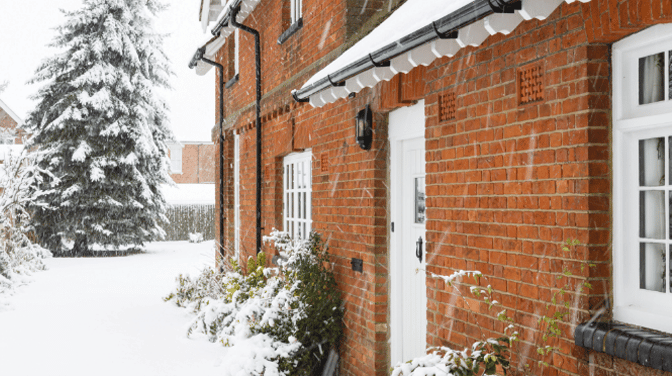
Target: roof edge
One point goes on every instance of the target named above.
(11, 113)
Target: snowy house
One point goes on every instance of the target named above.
(439, 135)
(192, 162)
(10, 126)
(11, 137)
(192, 200)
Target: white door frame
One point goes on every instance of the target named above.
(236, 195)
(405, 123)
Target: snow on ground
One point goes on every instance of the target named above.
(106, 316)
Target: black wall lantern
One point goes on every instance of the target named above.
(364, 128)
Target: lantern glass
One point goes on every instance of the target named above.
(363, 129)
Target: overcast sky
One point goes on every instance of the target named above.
(26, 27)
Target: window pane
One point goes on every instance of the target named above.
(652, 267)
(652, 162)
(305, 204)
(651, 78)
(298, 214)
(420, 200)
(652, 214)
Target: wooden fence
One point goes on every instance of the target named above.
(185, 219)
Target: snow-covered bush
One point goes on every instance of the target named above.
(19, 256)
(273, 321)
(483, 358)
(195, 237)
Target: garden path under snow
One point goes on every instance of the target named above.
(106, 316)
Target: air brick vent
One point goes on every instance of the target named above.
(447, 106)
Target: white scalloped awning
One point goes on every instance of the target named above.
(213, 44)
(411, 16)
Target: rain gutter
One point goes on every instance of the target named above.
(257, 58)
(199, 56)
(444, 28)
(235, 6)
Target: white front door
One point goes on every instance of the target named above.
(407, 234)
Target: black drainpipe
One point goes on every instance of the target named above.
(192, 64)
(257, 59)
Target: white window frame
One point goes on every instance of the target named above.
(236, 194)
(296, 11)
(176, 158)
(633, 122)
(297, 194)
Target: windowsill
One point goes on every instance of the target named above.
(641, 346)
(296, 26)
(232, 81)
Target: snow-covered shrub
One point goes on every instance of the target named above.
(483, 358)
(19, 256)
(196, 237)
(273, 321)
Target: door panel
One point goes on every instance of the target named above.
(414, 295)
(408, 296)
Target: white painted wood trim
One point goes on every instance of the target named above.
(471, 35)
(398, 131)
(633, 122)
(236, 195)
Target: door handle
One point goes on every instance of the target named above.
(418, 249)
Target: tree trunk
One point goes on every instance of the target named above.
(81, 247)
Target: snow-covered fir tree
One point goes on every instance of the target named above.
(101, 130)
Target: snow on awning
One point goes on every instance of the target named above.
(417, 33)
(221, 30)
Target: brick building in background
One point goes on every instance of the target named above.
(11, 135)
(192, 162)
(500, 129)
(10, 122)
(192, 200)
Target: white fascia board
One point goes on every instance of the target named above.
(410, 17)
(175, 143)
(205, 14)
(11, 113)
(213, 44)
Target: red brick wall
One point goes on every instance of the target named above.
(6, 122)
(198, 164)
(506, 183)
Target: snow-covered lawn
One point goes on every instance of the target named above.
(106, 316)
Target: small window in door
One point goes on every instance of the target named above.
(420, 200)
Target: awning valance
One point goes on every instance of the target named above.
(417, 33)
